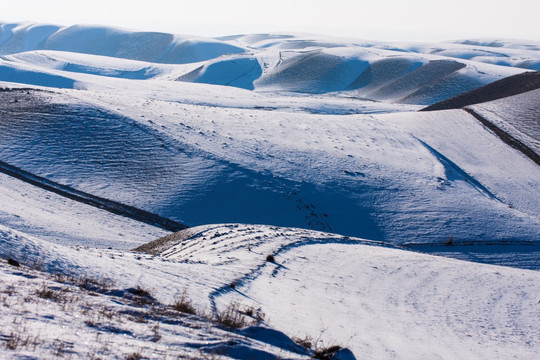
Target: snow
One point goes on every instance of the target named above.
(23, 75)
(517, 115)
(366, 161)
(269, 62)
(90, 64)
(357, 175)
(107, 41)
(237, 72)
(378, 301)
(476, 152)
(73, 321)
(56, 219)
(361, 72)
(23, 37)
(314, 140)
(512, 53)
(503, 43)
(386, 304)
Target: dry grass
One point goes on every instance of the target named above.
(155, 332)
(184, 304)
(45, 292)
(326, 353)
(21, 341)
(134, 356)
(76, 296)
(20, 338)
(232, 317)
(306, 341)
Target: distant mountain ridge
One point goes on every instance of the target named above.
(314, 190)
(404, 73)
(106, 41)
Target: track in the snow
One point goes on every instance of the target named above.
(92, 200)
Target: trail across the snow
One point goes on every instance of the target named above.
(92, 200)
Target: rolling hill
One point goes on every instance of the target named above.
(309, 188)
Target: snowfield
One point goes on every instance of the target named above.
(359, 175)
(388, 232)
(57, 317)
(516, 115)
(403, 73)
(375, 300)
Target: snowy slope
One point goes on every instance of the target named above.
(314, 139)
(384, 302)
(366, 161)
(498, 171)
(377, 74)
(377, 301)
(517, 115)
(515, 53)
(367, 73)
(398, 73)
(464, 141)
(114, 42)
(90, 64)
(185, 157)
(59, 220)
(524, 55)
(498, 48)
(364, 176)
(59, 316)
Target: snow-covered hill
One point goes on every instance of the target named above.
(106, 41)
(316, 140)
(356, 175)
(518, 115)
(321, 288)
(401, 72)
(58, 316)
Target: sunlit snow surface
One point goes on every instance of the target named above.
(375, 300)
(318, 140)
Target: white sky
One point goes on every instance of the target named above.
(376, 20)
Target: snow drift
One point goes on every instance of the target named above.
(314, 139)
(99, 40)
(400, 73)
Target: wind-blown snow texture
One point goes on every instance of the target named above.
(404, 73)
(518, 115)
(317, 140)
(378, 301)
